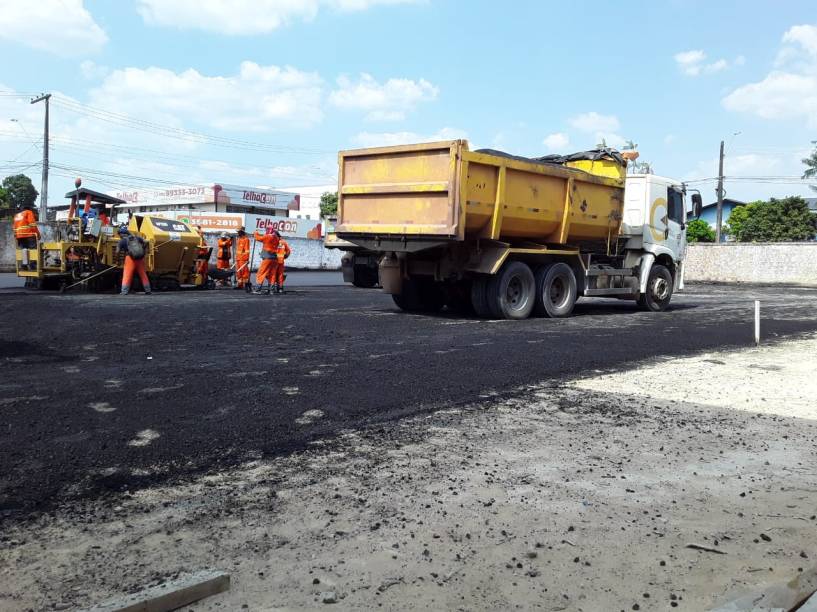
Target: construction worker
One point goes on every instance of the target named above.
(103, 216)
(268, 270)
(25, 228)
(134, 247)
(202, 255)
(282, 252)
(224, 253)
(242, 259)
(26, 232)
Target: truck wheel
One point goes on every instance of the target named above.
(479, 297)
(659, 289)
(364, 277)
(512, 292)
(556, 290)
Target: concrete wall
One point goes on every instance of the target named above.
(767, 263)
(306, 254)
(7, 246)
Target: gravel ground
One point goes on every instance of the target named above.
(573, 494)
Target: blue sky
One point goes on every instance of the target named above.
(290, 82)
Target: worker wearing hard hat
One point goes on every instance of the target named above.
(202, 256)
(26, 232)
(282, 252)
(225, 251)
(242, 259)
(268, 270)
(135, 248)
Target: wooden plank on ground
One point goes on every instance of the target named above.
(170, 595)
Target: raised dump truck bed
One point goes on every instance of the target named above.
(506, 235)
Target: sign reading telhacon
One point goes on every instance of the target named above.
(217, 192)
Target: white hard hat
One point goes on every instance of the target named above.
(223, 234)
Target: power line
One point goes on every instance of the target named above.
(180, 133)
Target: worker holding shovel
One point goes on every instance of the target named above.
(242, 259)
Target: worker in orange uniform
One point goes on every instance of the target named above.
(135, 248)
(242, 259)
(224, 253)
(282, 252)
(104, 219)
(202, 256)
(268, 270)
(26, 232)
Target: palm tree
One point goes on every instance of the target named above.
(811, 163)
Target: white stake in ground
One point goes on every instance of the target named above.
(757, 322)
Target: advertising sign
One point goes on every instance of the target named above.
(211, 222)
(206, 194)
(264, 224)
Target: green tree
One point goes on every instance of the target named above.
(6, 211)
(737, 219)
(785, 220)
(20, 190)
(329, 204)
(699, 230)
(811, 165)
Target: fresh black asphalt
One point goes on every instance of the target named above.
(103, 393)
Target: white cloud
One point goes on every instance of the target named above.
(789, 91)
(383, 139)
(258, 98)
(692, 63)
(689, 61)
(92, 71)
(594, 122)
(389, 101)
(556, 142)
(238, 17)
(62, 27)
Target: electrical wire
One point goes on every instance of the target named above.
(177, 132)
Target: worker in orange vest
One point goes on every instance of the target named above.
(268, 270)
(26, 232)
(242, 259)
(202, 256)
(25, 228)
(224, 253)
(282, 252)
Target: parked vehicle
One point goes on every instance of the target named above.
(509, 236)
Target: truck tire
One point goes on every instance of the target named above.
(659, 289)
(364, 277)
(511, 293)
(479, 297)
(556, 290)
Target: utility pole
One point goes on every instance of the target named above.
(44, 189)
(719, 221)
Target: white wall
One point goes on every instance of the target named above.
(310, 199)
(762, 263)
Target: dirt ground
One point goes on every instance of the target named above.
(574, 495)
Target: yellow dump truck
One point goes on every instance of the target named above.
(509, 236)
(81, 251)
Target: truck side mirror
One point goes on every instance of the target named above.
(697, 205)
